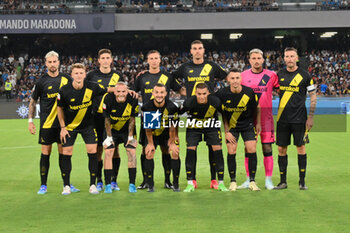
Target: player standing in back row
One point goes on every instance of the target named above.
(105, 77)
(263, 82)
(192, 73)
(292, 117)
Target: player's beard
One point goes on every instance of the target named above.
(53, 69)
(160, 101)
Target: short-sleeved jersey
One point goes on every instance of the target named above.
(147, 81)
(104, 81)
(168, 112)
(77, 104)
(120, 113)
(238, 108)
(192, 74)
(262, 84)
(202, 112)
(293, 88)
(46, 89)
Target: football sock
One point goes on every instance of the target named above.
(108, 174)
(149, 166)
(99, 171)
(93, 166)
(44, 168)
(268, 163)
(283, 163)
(166, 160)
(246, 161)
(116, 165)
(252, 163)
(302, 160)
(175, 166)
(232, 166)
(212, 163)
(132, 175)
(66, 167)
(190, 163)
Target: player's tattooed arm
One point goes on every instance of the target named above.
(108, 127)
(150, 149)
(131, 126)
(31, 126)
(313, 102)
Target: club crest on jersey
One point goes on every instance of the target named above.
(49, 88)
(100, 80)
(147, 83)
(151, 120)
(191, 71)
(72, 100)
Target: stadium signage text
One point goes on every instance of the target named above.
(193, 123)
(79, 23)
(38, 24)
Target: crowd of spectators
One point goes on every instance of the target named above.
(153, 6)
(33, 7)
(330, 70)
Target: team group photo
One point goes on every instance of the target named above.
(175, 116)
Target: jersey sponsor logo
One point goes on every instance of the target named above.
(151, 120)
(122, 118)
(198, 79)
(53, 95)
(260, 89)
(237, 109)
(82, 106)
(289, 88)
(236, 114)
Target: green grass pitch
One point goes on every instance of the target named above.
(325, 207)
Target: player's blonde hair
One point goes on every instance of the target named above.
(121, 84)
(51, 54)
(256, 50)
(78, 66)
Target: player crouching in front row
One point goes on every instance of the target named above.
(74, 110)
(120, 110)
(239, 105)
(160, 111)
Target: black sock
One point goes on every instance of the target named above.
(212, 163)
(232, 166)
(302, 159)
(93, 166)
(252, 163)
(132, 175)
(65, 163)
(149, 166)
(220, 164)
(116, 165)
(195, 166)
(190, 163)
(144, 173)
(108, 175)
(44, 168)
(99, 171)
(283, 163)
(166, 160)
(175, 166)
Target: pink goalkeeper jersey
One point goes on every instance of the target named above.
(263, 84)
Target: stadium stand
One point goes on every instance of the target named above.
(162, 6)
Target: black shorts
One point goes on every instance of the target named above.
(120, 137)
(194, 136)
(284, 131)
(49, 136)
(161, 140)
(88, 134)
(247, 134)
(99, 122)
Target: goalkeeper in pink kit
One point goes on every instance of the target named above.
(263, 82)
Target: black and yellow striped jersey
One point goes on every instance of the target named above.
(202, 112)
(293, 89)
(104, 81)
(46, 89)
(168, 112)
(120, 113)
(192, 74)
(78, 104)
(145, 83)
(238, 108)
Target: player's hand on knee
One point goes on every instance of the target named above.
(230, 138)
(150, 149)
(108, 142)
(64, 133)
(31, 128)
(131, 141)
(174, 150)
